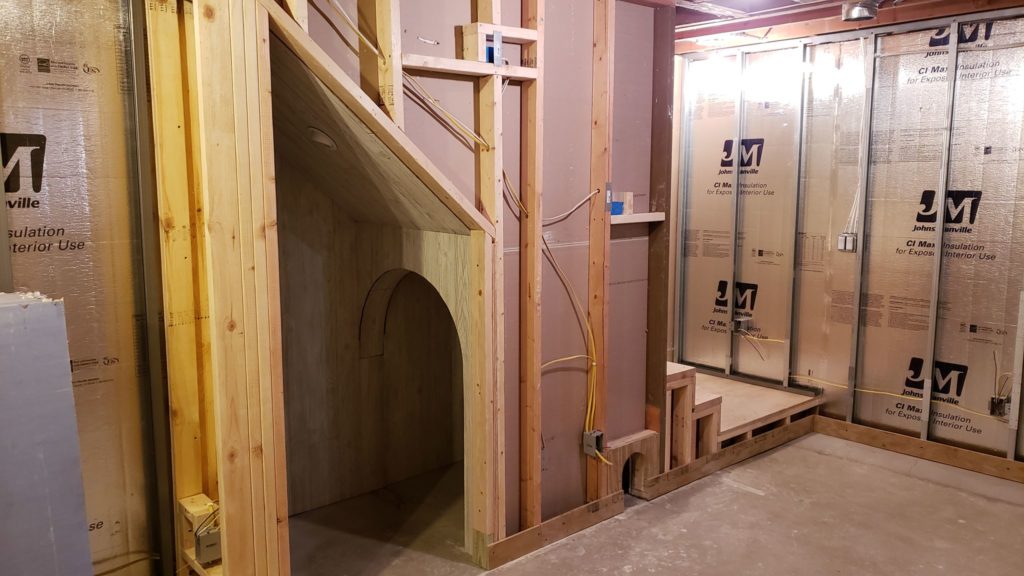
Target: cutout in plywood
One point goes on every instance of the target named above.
(366, 164)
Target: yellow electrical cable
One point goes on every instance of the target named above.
(565, 359)
(968, 410)
(819, 381)
(436, 104)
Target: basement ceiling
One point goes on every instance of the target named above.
(690, 12)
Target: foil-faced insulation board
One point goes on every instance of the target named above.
(981, 275)
(65, 137)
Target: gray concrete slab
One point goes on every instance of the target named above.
(816, 506)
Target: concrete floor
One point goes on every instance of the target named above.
(816, 506)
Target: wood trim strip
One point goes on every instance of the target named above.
(710, 463)
(999, 467)
(553, 530)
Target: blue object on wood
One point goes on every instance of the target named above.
(617, 208)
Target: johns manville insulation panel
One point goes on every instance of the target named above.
(980, 275)
(983, 260)
(830, 182)
(767, 158)
(708, 218)
(908, 125)
(65, 109)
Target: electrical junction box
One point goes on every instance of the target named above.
(741, 324)
(593, 442)
(208, 546)
(847, 242)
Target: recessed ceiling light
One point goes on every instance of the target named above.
(320, 137)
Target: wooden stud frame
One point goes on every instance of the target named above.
(600, 224)
(210, 71)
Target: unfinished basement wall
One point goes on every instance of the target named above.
(928, 181)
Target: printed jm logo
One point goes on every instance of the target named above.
(745, 295)
(751, 151)
(969, 34)
(22, 156)
(948, 376)
(958, 204)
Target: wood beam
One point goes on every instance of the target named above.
(555, 529)
(661, 201)
(381, 73)
(530, 270)
(600, 225)
(176, 193)
(490, 184)
(236, 155)
(997, 466)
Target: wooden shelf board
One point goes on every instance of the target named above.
(465, 67)
(639, 218)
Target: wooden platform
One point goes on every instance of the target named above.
(747, 407)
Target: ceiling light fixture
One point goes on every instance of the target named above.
(860, 10)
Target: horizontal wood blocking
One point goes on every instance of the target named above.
(553, 530)
(509, 34)
(913, 446)
(411, 62)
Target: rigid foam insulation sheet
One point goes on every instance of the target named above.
(907, 134)
(709, 118)
(765, 217)
(982, 256)
(72, 211)
(825, 278)
(768, 158)
(43, 521)
(983, 259)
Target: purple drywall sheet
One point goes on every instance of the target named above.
(627, 333)
(632, 102)
(563, 386)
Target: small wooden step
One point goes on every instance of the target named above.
(705, 401)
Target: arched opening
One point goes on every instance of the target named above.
(402, 488)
